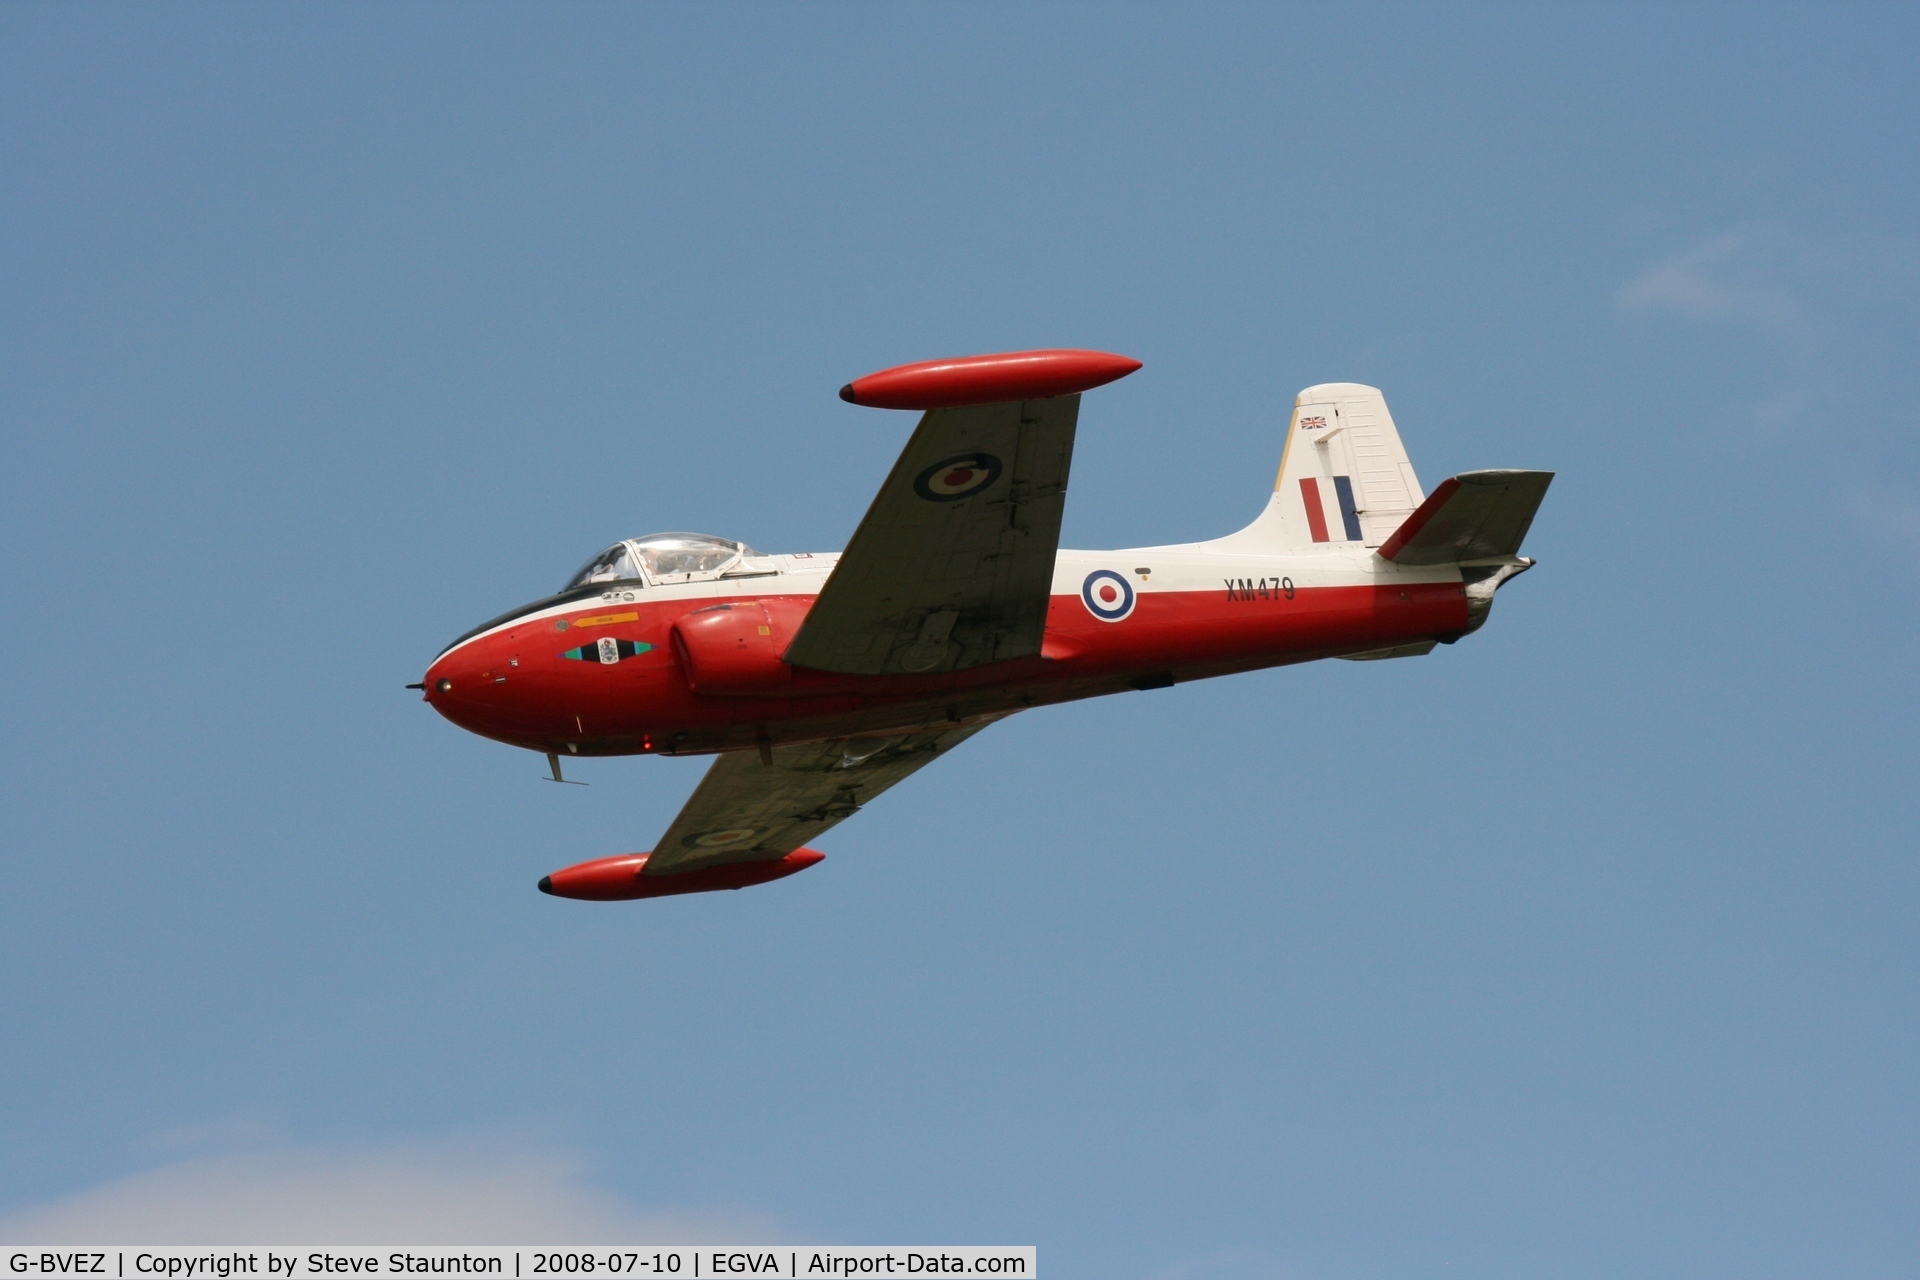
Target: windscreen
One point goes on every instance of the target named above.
(612, 565)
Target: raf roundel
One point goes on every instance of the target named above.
(722, 839)
(952, 479)
(1107, 595)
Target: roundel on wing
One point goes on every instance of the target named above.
(722, 839)
(962, 476)
(1107, 595)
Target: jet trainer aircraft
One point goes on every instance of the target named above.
(820, 680)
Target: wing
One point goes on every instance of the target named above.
(757, 806)
(952, 566)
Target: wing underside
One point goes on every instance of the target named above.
(762, 805)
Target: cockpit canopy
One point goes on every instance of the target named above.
(662, 558)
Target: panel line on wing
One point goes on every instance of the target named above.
(745, 810)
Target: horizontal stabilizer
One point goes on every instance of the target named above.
(1477, 515)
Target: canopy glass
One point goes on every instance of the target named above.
(661, 558)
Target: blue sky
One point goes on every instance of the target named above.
(1582, 948)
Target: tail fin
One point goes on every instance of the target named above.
(1477, 515)
(1345, 481)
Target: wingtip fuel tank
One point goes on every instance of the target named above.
(988, 379)
(618, 879)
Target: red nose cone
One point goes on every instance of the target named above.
(1010, 375)
(618, 878)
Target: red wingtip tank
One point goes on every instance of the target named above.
(618, 878)
(989, 379)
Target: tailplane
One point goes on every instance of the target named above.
(1477, 515)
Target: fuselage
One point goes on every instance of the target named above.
(601, 670)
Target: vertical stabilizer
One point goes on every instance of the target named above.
(1345, 481)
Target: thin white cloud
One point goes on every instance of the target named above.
(1810, 304)
(423, 1195)
(1756, 278)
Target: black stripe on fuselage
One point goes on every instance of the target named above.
(547, 602)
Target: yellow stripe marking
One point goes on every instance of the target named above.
(606, 619)
(1293, 424)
